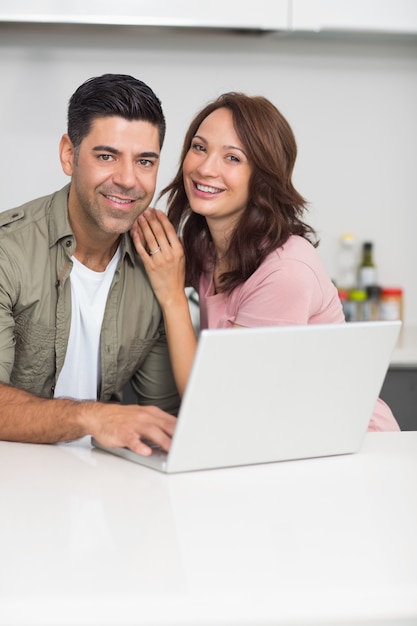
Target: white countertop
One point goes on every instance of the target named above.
(89, 539)
(405, 353)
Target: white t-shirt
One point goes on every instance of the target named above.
(81, 373)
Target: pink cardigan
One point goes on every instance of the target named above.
(291, 286)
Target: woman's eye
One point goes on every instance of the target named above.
(198, 147)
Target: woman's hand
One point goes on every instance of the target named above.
(162, 254)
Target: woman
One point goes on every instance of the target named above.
(244, 245)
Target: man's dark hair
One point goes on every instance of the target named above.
(112, 95)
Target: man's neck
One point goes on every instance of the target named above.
(96, 258)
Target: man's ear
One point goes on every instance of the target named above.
(66, 155)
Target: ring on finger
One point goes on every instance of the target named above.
(152, 252)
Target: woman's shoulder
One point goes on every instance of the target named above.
(296, 258)
(296, 248)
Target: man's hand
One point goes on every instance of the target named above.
(27, 418)
(120, 425)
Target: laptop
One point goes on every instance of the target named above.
(263, 395)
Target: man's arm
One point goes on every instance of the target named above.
(27, 418)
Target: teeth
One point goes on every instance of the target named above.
(207, 189)
(114, 199)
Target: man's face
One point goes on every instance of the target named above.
(113, 174)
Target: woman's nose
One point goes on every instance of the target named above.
(209, 166)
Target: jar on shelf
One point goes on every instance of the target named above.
(391, 303)
(344, 299)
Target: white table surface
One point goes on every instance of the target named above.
(87, 538)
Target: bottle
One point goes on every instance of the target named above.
(367, 269)
(391, 304)
(346, 271)
(372, 304)
(357, 302)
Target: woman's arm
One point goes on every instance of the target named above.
(162, 254)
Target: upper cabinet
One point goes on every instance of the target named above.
(366, 16)
(373, 16)
(262, 15)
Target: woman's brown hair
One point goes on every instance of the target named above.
(274, 210)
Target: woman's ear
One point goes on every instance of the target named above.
(66, 154)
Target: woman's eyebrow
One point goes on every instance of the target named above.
(226, 147)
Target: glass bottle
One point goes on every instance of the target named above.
(367, 268)
(357, 303)
(372, 304)
(346, 270)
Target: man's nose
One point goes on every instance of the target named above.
(125, 175)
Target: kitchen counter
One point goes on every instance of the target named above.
(89, 539)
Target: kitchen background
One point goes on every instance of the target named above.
(350, 95)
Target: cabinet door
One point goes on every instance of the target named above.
(262, 14)
(400, 393)
(389, 16)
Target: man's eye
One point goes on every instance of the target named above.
(105, 157)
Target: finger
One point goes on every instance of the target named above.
(156, 231)
(162, 422)
(147, 229)
(161, 227)
(140, 243)
(137, 234)
(160, 439)
(155, 437)
(138, 446)
(168, 228)
(146, 246)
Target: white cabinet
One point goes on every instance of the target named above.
(234, 14)
(381, 16)
(384, 16)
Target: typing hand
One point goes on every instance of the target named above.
(131, 426)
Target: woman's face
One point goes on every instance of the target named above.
(216, 170)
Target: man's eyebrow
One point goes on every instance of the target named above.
(111, 150)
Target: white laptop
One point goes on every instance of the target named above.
(262, 395)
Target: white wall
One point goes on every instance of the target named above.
(352, 104)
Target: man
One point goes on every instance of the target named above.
(78, 318)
